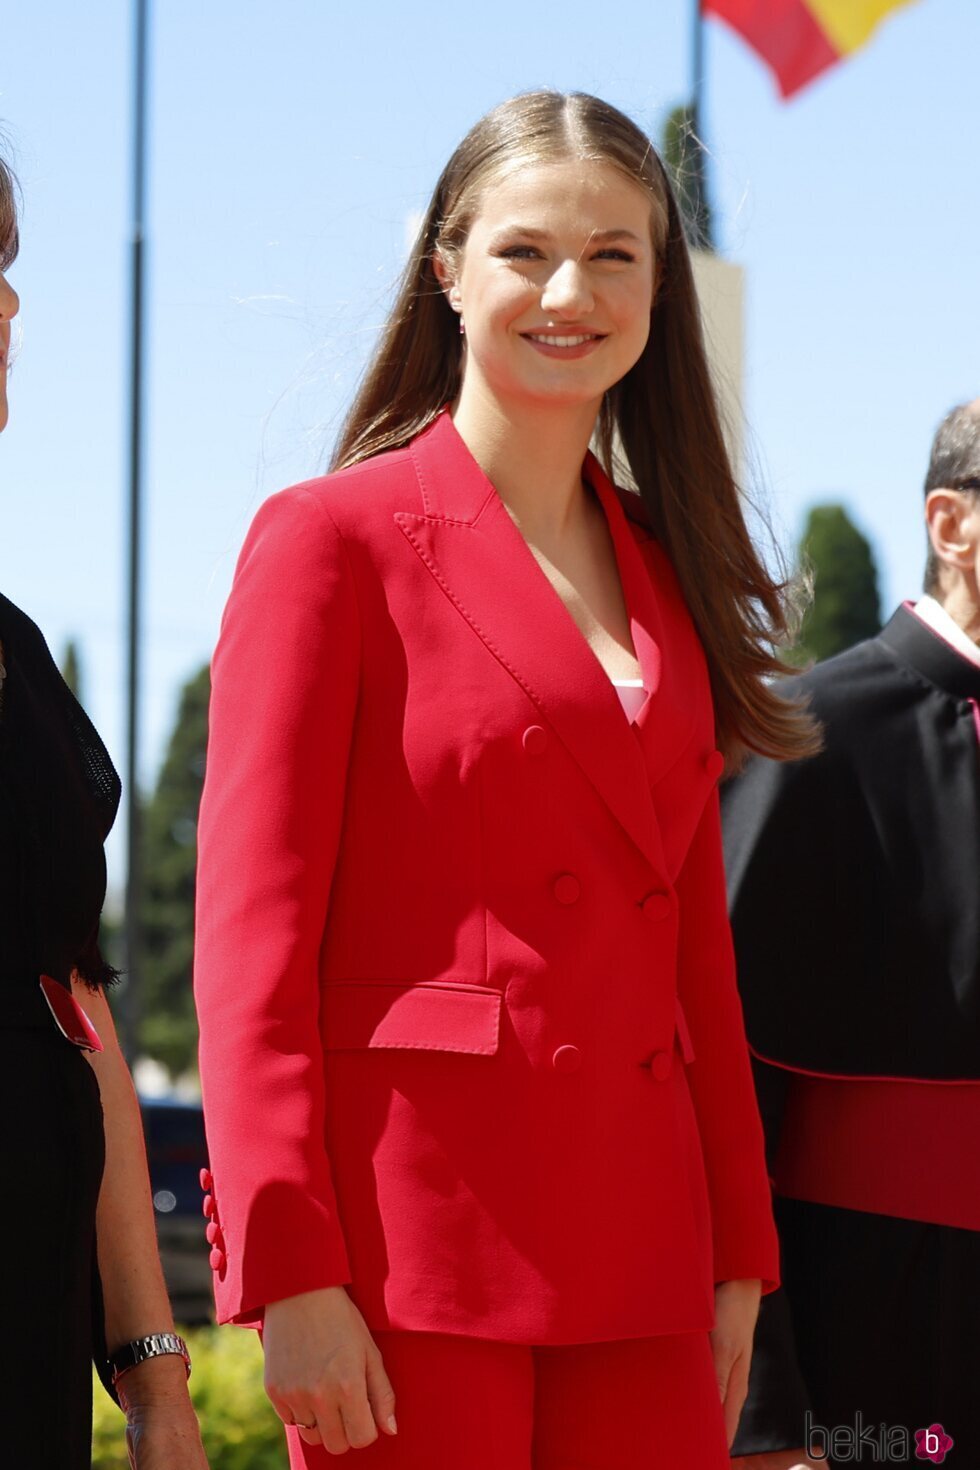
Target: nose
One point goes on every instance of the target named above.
(567, 291)
(9, 300)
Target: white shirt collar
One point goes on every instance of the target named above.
(935, 616)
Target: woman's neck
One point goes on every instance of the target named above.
(532, 454)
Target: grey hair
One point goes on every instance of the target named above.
(954, 464)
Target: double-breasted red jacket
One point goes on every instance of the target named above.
(470, 1038)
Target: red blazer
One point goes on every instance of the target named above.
(470, 1039)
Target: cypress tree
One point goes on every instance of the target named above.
(71, 669)
(846, 608)
(685, 161)
(169, 1027)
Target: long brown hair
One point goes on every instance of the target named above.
(658, 426)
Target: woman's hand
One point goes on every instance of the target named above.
(161, 1427)
(322, 1368)
(736, 1310)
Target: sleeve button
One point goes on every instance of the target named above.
(567, 1059)
(535, 740)
(566, 888)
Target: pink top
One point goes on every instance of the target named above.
(632, 696)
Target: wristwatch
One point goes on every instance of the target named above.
(155, 1346)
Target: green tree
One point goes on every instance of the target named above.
(168, 1030)
(686, 163)
(845, 607)
(71, 669)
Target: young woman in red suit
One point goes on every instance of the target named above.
(478, 1101)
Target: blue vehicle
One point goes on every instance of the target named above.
(176, 1153)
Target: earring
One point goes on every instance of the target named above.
(462, 327)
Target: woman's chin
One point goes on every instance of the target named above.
(552, 393)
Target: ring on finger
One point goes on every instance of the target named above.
(297, 1425)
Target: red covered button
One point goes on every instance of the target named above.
(213, 1233)
(566, 888)
(656, 906)
(208, 1206)
(714, 764)
(660, 1065)
(535, 740)
(217, 1259)
(206, 1180)
(567, 1059)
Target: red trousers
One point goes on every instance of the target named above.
(465, 1404)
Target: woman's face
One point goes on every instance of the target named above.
(557, 282)
(9, 307)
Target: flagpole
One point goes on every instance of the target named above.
(698, 156)
(132, 948)
(697, 68)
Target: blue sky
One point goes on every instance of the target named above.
(290, 143)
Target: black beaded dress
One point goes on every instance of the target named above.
(58, 798)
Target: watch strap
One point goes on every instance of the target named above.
(156, 1345)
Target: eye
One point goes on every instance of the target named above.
(528, 252)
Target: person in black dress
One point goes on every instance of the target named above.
(80, 1274)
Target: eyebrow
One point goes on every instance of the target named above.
(532, 234)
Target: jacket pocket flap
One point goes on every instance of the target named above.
(428, 1016)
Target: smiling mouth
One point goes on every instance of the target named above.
(552, 341)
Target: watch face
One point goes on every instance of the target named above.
(69, 1017)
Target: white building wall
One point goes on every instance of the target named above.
(721, 290)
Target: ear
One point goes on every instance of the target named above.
(953, 523)
(447, 281)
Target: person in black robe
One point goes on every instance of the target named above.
(854, 885)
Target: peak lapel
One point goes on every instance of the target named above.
(665, 721)
(641, 603)
(472, 547)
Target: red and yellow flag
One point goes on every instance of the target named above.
(801, 38)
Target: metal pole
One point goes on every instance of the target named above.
(697, 67)
(131, 1010)
(699, 160)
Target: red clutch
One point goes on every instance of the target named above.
(69, 1017)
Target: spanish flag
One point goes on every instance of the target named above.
(799, 39)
